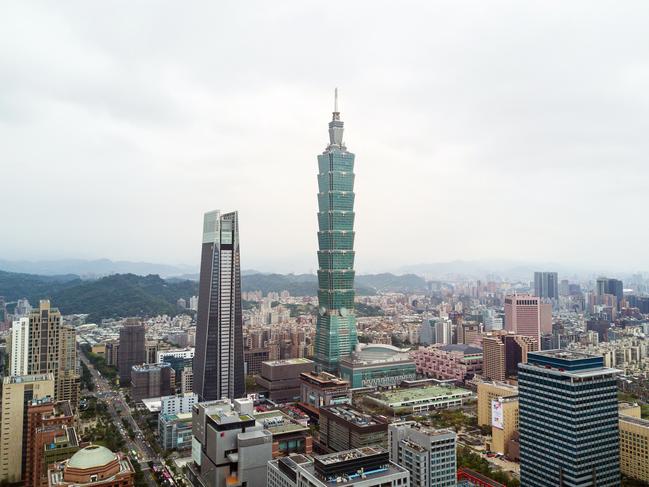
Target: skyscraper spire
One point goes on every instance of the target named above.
(336, 127)
(336, 113)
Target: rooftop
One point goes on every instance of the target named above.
(56, 474)
(500, 385)
(290, 361)
(289, 465)
(354, 466)
(347, 455)
(225, 416)
(419, 393)
(184, 417)
(460, 347)
(324, 379)
(67, 435)
(352, 415)
(565, 354)
(570, 362)
(580, 374)
(148, 367)
(637, 421)
(91, 457)
(20, 379)
(153, 404)
(376, 353)
(422, 428)
(277, 422)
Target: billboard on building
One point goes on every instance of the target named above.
(196, 451)
(497, 414)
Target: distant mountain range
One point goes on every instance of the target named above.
(502, 269)
(307, 284)
(94, 268)
(121, 295)
(459, 269)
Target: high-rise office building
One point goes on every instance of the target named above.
(68, 381)
(50, 437)
(4, 316)
(492, 321)
(487, 393)
(151, 351)
(52, 350)
(336, 325)
(187, 380)
(280, 379)
(19, 347)
(17, 392)
(546, 285)
(132, 349)
(568, 416)
(427, 332)
(614, 287)
(502, 352)
(22, 308)
(527, 315)
(341, 427)
(230, 447)
(504, 425)
(362, 467)
(469, 333)
(634, 444)
(112, 352)
(218, 362)
(564, 287)
(152, 380)
(428, 454)
(436, 331)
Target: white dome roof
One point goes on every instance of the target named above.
(91, 456)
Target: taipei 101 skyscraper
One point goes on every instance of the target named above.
(336, 325)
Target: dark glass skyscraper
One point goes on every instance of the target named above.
(613, 287)
(132, 349)
(336, 326)
(218, 361)
(568, 415)
(546, 285)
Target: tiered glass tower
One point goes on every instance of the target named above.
(336, 327)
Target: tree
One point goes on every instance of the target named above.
(469, 459)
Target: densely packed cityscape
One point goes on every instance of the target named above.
(540, 382)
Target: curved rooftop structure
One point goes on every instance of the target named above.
(460, 347)
(92, 456)
(372, 352)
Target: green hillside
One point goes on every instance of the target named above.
(114, 296)
(121, 295)
(14, 285)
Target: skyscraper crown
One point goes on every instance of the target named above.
(336, 127)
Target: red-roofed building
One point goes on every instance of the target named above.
(470, 478)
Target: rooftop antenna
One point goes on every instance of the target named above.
(336, 113)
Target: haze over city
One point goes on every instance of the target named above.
(291, 244)
(122, 123)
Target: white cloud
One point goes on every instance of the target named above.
(482, 130)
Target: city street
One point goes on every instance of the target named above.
(112, 398)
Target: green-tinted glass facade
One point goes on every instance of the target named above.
(336, 326)
(381, 375)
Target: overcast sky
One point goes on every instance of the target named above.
(482, 130)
